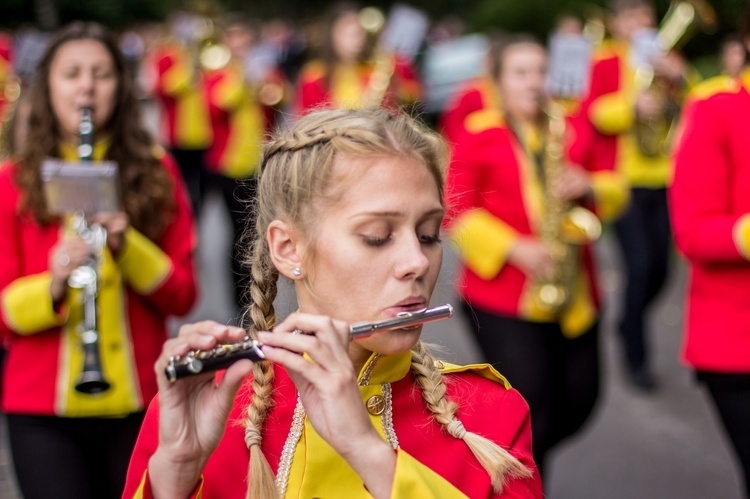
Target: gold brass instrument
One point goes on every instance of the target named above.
(564, 227)
(682, 20)
(372, 21)
(86, 278)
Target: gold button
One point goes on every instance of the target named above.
(376, 405)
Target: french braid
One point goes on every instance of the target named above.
(263, 288)
(498, 462)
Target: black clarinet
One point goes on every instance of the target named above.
(86, 277)
(223, 356)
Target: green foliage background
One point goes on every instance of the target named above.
(534, 16)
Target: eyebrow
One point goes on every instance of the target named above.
(394, 214)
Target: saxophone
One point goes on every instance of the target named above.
(86, 278)
(564, 228)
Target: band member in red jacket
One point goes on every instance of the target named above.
(66, 443)
(619, 109)
(349, 209)
(710, 210)
(499, 204)
(348, 76)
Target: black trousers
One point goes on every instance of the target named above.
(238, 196)
(645, 238)
(731, 396)
(72, 458)
(558, 377)
(191, 163)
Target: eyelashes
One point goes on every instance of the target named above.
(376, 241)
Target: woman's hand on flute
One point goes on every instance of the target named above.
(327, 384)
(193, 411)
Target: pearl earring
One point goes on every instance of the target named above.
(297, 272)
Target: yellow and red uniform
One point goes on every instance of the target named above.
(6, 70)
(430, 463)
(238, 121)
(710, 210)
(610, 108)
(495, 197)
(146, 282)
(477, 95)
(349, 86)
(184, 98)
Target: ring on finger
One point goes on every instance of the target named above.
(63, 259)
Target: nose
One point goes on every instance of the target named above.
(412, 260)
(86, 82)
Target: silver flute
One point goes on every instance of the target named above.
(223, 356)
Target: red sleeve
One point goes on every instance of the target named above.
(145, 446)
(516, 427)
(310, 93)
(10, 247)
(408, 86)
(602, 149)
(465, 178)
(702, 217)
(178, 293)
(452, 121)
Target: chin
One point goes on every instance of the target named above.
(394, 342)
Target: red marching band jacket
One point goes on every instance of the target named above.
(146, 282)
(239, 123)
(710, 212)
(495, 197)
(348, 88)
(430, 463)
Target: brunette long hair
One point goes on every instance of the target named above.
(146, 187)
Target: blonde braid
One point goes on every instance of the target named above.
(498, 462)
(261, 479)
(295, 141)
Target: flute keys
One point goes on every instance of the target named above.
(375, 405)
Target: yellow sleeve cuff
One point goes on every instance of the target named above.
(611, 194)
(230, 91)
(144, 265)
(741, 235)
(414, 479)
(613, 113)
(140, 492)
(484, 242)
(27, 305)
(177, 78)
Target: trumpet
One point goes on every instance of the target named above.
(223, 356)
(681, 21)
(86, 278)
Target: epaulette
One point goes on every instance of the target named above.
(312, 71)
(484, 370)
(608, 49)
(484, 119)
(713, 86)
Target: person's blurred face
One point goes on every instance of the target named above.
(377, 249)
(521, 80)
(82, 74)
(348, 37)
(626, 22)
(733, 58)
(239, 39)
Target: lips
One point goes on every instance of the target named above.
(411, 304)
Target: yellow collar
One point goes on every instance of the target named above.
(384, 368)
(745, 78)
(69, 152)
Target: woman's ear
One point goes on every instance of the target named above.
(285, 249)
